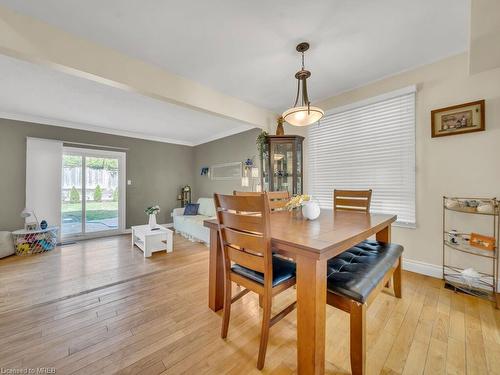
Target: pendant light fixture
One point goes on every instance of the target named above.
(304, 114)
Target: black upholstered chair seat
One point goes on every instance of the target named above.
(357, 271)
(283, 270)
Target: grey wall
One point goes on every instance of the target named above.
(157, 170)
(235, 148)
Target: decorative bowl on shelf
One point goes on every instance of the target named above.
(452, 204)
(470, 277)
(485, 208)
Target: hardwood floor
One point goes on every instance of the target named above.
(150, 316)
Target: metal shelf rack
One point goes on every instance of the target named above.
(487, 285)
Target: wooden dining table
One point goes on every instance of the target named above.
(311, 244)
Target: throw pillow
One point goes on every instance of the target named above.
(191, 209)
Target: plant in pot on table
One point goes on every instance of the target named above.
(152, 212)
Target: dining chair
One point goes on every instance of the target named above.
(245, 234)
(352, 200)
(277, 199)
(356, 276)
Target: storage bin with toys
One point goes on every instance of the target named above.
(28, 242)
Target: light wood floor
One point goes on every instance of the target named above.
(158, 321)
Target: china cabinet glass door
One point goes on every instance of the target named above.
(282, 164)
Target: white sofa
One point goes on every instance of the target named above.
(191, 226)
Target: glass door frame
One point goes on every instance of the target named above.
(122, 187)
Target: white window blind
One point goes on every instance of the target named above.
(369, 146)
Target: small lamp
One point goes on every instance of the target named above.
(26, 213)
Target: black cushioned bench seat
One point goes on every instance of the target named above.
(357, 271)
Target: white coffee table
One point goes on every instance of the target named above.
(150, 241)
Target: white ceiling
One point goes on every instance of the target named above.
(246, 49)
(37, 93)
(242, 48)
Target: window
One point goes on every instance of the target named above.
(368, 145)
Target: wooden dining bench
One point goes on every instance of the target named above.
(355, 277)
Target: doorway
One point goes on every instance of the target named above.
(92, 193)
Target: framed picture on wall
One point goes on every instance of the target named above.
(226, 171)
(458, 119)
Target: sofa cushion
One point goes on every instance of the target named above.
(191, 209)
(283, 270)
(192, 226)
(207, 207)
(357, 271)
(6, 244)
(192, 219)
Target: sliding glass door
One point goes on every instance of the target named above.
(93, 192)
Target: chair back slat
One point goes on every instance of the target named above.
(245, 203)
(246, 259)
(278, 199)
(277, 205)
(241, 221)
(247, 193)
(352, 200)
(274, 195)
(248, 241)
(244, 229)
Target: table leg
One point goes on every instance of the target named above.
(147, 247)
(216, 273)
(384, 235)
(170, 241)
(311, 311)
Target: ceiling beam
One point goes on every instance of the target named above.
(484, 41)
(28, 39)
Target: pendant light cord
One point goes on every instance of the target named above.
(305, 99)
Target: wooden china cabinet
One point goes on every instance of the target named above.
(282, 164)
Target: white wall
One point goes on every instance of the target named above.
(460, 165)
(43, 179)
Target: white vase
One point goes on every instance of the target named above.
(310, 210)
(152, 221)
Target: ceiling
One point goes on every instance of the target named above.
(37, 93)
(246, 49)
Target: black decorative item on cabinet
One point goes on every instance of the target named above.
(282, 164)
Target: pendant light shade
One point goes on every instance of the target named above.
(303, 114)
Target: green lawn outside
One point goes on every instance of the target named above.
(95, 210)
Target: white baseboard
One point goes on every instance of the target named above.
(427, 269)
(423, 268)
